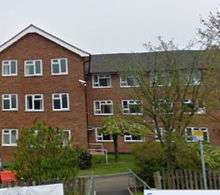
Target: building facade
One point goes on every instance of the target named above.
(46, 79)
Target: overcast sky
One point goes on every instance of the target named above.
(106, 26)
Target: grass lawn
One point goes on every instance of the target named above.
(125, 162)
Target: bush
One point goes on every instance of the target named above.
(84, 159)
(149, 158)
(41, 155)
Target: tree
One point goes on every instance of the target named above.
(170, 86)
(210, 32)
(44, 154)
(209, 37)
(119, 126)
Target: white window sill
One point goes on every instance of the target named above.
(10, 110)
(61, 110)
(33, 75)
(103, 114)
(106, 141)
(101, 87)
(129, 86)
(133, 114)
(34, 110)
(133, 141)
(59, 74)
(11, 75)
(9, 145)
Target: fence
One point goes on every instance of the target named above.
(136, 185)
(186, 179)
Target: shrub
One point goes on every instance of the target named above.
(84, 159)
(149, 158)
(41, 155)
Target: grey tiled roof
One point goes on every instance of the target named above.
(113, 63)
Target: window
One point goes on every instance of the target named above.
(59, 66)
(189, 106)
(34, 103)
(133, 107)
(193, 77)
(104, 107)
(191, 132)
(161, 132)
(9, 68)
(60, 101)
(102, 138)
(9, 102)
(160, 78)
(66, 137)
(9, 137)
(133, 138)
(158, 132)
(128, 81)
(33, 68)
(101, 81)
(164, 106)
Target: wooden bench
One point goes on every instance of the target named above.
(98, 149)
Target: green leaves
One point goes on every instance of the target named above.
(119, 125)
(41, 155)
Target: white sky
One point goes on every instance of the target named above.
(107, 26)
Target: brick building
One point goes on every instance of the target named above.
(43, 78)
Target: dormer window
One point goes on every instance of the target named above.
(59, 66)
(9, 68)
(128, 81)
(101, 81)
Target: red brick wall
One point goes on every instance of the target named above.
(33, 46)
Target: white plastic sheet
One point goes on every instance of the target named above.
(182, 192)
(53, 189)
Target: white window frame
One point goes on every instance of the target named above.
(33, 99)
(59, 63)
(69, 135)
(162, 131)
(198, 128)
(124, 83)
(8, 63)
(200, 110)
(10, 130)
(128, 109)
(10, 102)
(100, 135)
(107, 76)
(108, 102)
(33, 64)
(154, 79)
(61, 103)
(129, 138)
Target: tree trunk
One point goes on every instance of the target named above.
(115, 141)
